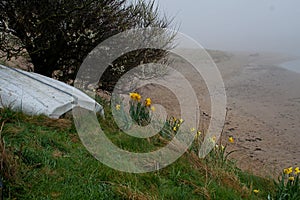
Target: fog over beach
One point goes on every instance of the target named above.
(232, 25)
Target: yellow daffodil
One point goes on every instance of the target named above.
(288, 170)
(192, 129)
(118, 107)
(153, 108)
(148, 102)
(213, 139)
(197, 135)
(181, 121)
(291, 178)
(174, 128)
(135, 96)
(132, 95)
(231, 139)
(297, 171)
(222, 147)
(256, 191)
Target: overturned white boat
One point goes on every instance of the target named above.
(35, 94)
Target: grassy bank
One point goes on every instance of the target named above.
(42, 158)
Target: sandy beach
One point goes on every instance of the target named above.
(263, 102)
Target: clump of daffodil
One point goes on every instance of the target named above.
(176, 124)
(198, 139)
(171, 127)
(288, 184)
(139, 112)
(219, 154)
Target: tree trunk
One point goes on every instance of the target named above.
(43, 64)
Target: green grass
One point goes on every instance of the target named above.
(44, 159)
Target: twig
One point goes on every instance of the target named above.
(222, 132)
(1, 128)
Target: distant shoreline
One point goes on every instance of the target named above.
(293, 65)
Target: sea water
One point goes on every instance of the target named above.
(293, 65)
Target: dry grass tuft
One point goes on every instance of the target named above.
(60, 124)
(8, 164)
(198, 189)
(129, 193)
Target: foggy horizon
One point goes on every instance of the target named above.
(232, 25)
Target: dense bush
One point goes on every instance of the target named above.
(58, 34)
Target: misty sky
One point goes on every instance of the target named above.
(247, 25)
